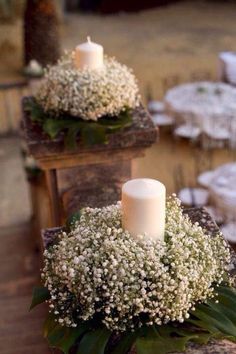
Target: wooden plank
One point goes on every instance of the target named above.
(71, 160)
(4, 128)
(51, 177)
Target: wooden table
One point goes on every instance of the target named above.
(86, 175)
(201, 216)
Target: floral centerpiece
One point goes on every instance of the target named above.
(91, 103)
(109, 292)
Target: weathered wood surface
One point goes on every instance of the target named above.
(142, 133)
(201, 216)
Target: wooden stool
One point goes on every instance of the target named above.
(86, 175)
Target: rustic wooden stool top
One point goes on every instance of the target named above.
(201, 216)
(52, 155)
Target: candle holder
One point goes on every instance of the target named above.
(103, 297)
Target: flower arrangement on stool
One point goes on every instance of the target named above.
(110, 290)
(85, 95)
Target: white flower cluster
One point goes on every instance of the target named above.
(99, 271)
(88, 94)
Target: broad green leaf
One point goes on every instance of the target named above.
(49, 324)
(125, 343)
(226, 310)
(161, 345)
(115, 123)
(94, 342)
(64, 338)
(164, 339)
(40, 295)
(173, 330)
(216, 318)
(201, 337)
(36, 112)
(92, 134)
(70, 137)
(53, 126)
(203, 325)
(227, 293)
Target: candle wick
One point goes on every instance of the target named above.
(89, 39)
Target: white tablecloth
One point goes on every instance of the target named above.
(209, 106)
(221, 184)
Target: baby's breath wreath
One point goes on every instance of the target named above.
(108, 292)
(91, 103)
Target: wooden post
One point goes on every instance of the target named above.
(51, 177)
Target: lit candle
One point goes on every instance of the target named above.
(88, 55)
(143, 207)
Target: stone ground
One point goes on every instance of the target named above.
(179, 39)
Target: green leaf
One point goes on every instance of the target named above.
(115, 123)
(204, 326)
(64, 338)
(226, 310)
(53, 126)
(164, 339)
(228, 293)
(72, 220)
(161, 344)
(49, 324)
(94, 342)
(40, 295)
(92, 134)
(201, 337)
(125, 343)
(70, 138)
(217, 318)
(36, 111)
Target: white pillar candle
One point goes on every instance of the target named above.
(143, 207)
(88, 55)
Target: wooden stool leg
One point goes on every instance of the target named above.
(51, 177)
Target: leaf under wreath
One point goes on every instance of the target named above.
(214, 319)
(40, 295)
(218, 318)
(63, 338)
(91, 132)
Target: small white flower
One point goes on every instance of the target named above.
(76, 260)
(88, 94)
